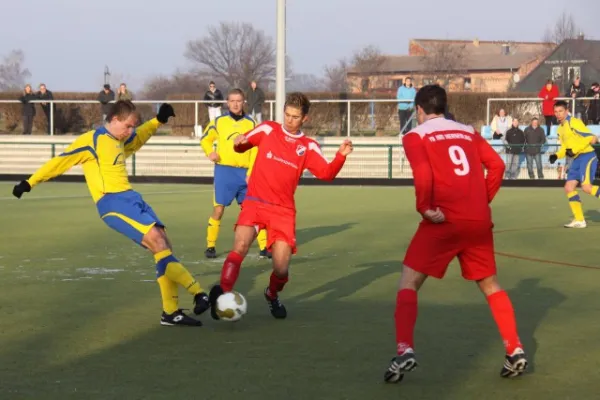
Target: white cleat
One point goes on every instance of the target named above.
(576, 224)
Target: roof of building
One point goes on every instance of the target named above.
(488, 46)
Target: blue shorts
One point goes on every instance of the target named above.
(128, 213)
(230, 183)
(583, 168)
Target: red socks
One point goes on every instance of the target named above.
(504, 315)
(231, 271)
(276, 284)
(406, 319)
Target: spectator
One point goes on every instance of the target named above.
(578, 90)
(28, 109)
(213, 94)
(534, 140)
(123, 93)
(514, 140)
(45, 94)
(405, 92)
(549, 92)
(255, 99)
(500, 124)
(105, 97)
(593, 112)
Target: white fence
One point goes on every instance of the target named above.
(534, 101)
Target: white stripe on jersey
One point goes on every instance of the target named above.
(315, 147)
(441, 125)
(265, 128)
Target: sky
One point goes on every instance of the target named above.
(69, 42)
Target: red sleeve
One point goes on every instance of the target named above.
(554, 92)
(493, 164)
(541, 94)
(317, 163)
(254, 137)
(422, 172)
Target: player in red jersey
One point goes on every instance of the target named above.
(284, 152)
(453, 196)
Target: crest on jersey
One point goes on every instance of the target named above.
(300, 150)
(269, 155)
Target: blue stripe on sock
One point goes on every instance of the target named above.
(161, 265)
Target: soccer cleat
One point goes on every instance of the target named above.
(178, 318)
(275, 306)
(201, 303)
(576, 224)
(211, 252)
(514, 364)
(264, 253)
(214, 294)
(400, 364)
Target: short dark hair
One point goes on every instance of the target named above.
(534, 119)
(561, 103)
(298, 100)
(122, 109)
(236, 91)
(432, 99)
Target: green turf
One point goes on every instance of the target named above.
(80, 308)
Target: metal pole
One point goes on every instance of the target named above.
(349, 119)
(280, 68)
(196, 118)
(487, 115)
(51, 118)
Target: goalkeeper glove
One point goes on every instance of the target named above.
(164, 112)
(570, 153)
(553, 158)
(21, 188)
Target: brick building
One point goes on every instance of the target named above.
(460, 65)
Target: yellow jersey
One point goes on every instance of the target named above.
(102, 157)
(222, 131)
(575, 135)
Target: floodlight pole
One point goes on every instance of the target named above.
(280, 67)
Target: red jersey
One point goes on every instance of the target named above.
(447, 159)
(280, 162)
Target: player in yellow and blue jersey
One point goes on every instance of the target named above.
(102, 154)
(231, 169)
(576, 141)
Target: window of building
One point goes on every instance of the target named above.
(467, 83)
(557, 73)
(364, 84)
(573, 72)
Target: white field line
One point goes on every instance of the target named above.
(29, 196)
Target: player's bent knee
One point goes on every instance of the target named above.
(489, 285)
(587, 188)
(218, 212)
(411, 279)
(155, 240)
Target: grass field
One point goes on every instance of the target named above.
(80, 307)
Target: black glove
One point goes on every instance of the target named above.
(164, 112)
(553, 158)
(21, 188)
(570, 153)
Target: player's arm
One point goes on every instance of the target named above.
(208, 140)
(422, 172)
(145, 131)
(253, 154)
(493, 164)
(79, 152)
(318, 165)
(586, 137)
(251, 139)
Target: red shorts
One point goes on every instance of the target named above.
(434, 246)
(280, 222)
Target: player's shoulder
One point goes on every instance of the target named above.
(441, 126)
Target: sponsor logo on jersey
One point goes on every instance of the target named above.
(271, 156)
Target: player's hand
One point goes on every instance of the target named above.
(346, 147)
(553, 158)
(436, 216)
(164, 112)
(214, 157)
(240, 140)
(570, 153)
(21, 188)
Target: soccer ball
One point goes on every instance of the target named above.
(231, 306)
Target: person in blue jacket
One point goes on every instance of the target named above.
(405, 109)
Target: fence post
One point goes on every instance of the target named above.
(390, 168)
(52, 121)
(133, 163)
(195, 118)
(349, 118)
(53, 150)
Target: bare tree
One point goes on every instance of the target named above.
(367, 63)
(336, 77)
(236, 52)
(443, 62)
(12, 72)
(564, 28)
(304, 83)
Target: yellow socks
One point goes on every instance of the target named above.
(169, 294)
(167, 265)
(212, 232)
(575, 203)
(262, 239)
(596, 191)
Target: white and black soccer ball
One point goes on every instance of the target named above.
(231, 306)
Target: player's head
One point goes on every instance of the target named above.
(122, 119)
(561, 110)
(430, 101)
(235, 101)
(295, 111)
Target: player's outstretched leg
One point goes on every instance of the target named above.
(212, 231)
(282, 254)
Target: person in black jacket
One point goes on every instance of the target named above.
(514, 140)
(213, 94)
(535, 138)
(593, 111)
(105, 97)
(255, 97)
(28, 109)
(45, 94)
(577, 90)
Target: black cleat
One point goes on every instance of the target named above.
(178, 318)
(201, 303)
(264, 253)
(214, 294)
(400, 364)
(211, 252)
(514, 364)
(276, 307)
